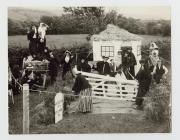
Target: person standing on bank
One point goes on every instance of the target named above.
(144, 78)
(42, 37)
(159, 71)
(32, 36)
(132, 61)
(82, 88)
(103, 66)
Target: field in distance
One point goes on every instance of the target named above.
(67, 41)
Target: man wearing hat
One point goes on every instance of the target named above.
(153, 56)
(144, 79)
(83, 65)
(159, 71)
(132, 61)
(103, 66)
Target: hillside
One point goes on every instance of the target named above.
(22, 14)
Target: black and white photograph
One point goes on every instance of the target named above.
(89, 69)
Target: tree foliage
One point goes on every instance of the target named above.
(91, 20)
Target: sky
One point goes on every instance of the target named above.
(140, 12)
(146, 13)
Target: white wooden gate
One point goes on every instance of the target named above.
(112, 88)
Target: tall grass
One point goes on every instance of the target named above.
(157, 104)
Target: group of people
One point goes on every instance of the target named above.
(37, 38)
(38, 52)
(124, 67)
(151, 68)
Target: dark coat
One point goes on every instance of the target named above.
(149, 64)
(129, 60)
(30, 36)
(66, 66)
(132, 59)
(84, 67)
(41, 45)
(144, 78)
(53, 67)
(80, 84)
(159, 73)
(33, 42)
(126, 62)
(103, 65)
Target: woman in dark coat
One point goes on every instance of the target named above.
(144, 78)
(32, 36)
(83, 89)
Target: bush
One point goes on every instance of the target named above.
(157, 104)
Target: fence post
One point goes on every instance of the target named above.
(25, 108)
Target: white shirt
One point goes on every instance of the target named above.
(67, 58)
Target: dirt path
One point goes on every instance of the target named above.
(104, 106)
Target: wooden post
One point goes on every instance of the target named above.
(25, 109)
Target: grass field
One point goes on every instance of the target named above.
(66, 41)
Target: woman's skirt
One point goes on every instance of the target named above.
(85, 100)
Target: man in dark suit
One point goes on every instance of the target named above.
(132, 62)
(103, 66)
(84, 66)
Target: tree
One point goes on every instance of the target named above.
(149, 28)
(90, 18)
(111, 17)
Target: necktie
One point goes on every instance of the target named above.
(103, 68)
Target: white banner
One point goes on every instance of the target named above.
(59, 101)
